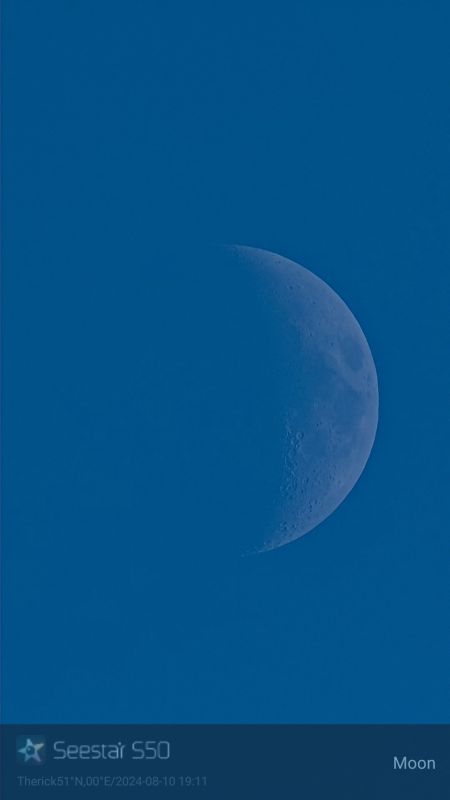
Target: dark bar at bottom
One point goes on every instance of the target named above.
(305, 762)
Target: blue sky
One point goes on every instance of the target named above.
(314, 131)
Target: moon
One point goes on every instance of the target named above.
(330, 401)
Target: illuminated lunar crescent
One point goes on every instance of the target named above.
(330, 409)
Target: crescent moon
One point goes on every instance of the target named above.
(330, 411)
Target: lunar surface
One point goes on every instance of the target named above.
(330, 403)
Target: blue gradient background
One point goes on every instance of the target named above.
(317, 131)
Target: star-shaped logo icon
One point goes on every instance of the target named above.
(31, 750)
